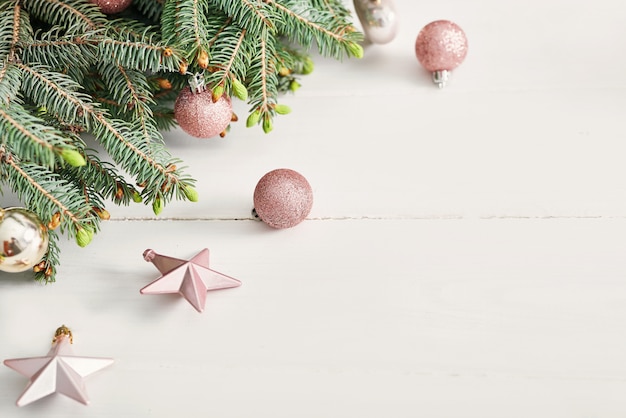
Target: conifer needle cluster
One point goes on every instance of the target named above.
(67, 70)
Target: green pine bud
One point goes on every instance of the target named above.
(294, 86)
(355, 49)
(282, 109)
(308, 66)
(218, 91)
(267, 124)
(239, 90)
(253, 118)
(137, 197)
(73, 157)
(157, 206)
(191, 193)
(84, 237)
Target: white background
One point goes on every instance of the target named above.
(464, 256)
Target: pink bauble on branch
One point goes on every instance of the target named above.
(440, 47)
(110, 7)
(199, 116)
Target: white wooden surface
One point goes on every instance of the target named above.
(464, 256)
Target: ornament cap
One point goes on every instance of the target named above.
(149, 255)
(440, 78)
(197, 83)
(62, 332)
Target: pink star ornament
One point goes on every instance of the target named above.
(189, 278)
(60, 371)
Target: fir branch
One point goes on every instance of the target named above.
(291, 60)
(103, 177)
(184, 23)
(48, 193)
(252, 15)
(29, 138)
(132, 99)
(165, 96)
(151, 136)
(130, 151)
(15, 29)
(335, 7)
(142, 54)
(61, 81)
(163, 118)
(219, 18)
(57, 92)
(110, 107)
(263, 85)
(16, 24)
(6, 32)
(267, 73)
(90, 195)
(76, 16)
(230, 56)
(131, 29)
(305, 24)
(67, 53)
(46, 270)
(127, 88)
(8, 5)
(152, 9)
(10, 82)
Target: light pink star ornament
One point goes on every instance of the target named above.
(189, 278)
(60, 371)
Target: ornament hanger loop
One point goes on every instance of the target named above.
(63, 332)
(149, 254)
(196, 82)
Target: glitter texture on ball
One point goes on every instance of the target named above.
(110, 7)
(283, 198)
(199, 116)
(441, 45)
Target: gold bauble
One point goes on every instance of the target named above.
(23, 240)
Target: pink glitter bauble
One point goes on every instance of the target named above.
(441, 45)
(283, 198)
(110, 7)
(199, 116)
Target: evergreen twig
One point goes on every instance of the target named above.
(66, 69)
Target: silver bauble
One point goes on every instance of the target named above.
(23, 240)
(378, 18)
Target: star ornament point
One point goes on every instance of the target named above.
(60, 371)
(191, 279)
